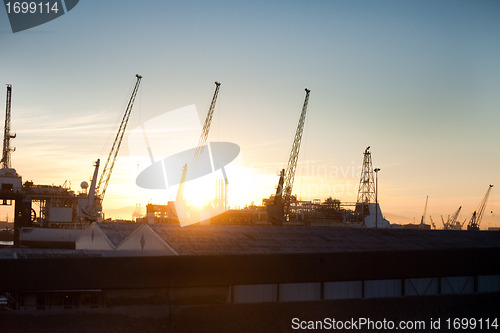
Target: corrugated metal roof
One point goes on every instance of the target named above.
(117, 232)
(269, 239)
(244, 239)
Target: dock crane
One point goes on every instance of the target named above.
(110, 162)
(206, 127)
(180, 205)
(452, 223)
(422, 220)
(7, 135)
(98, 189)
(201, 145)
(477, 216)
(281, 209)
(432, 222)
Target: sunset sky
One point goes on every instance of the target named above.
(418, 81)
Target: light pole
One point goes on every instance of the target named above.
(376, 197)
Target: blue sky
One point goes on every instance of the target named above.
(418, 81)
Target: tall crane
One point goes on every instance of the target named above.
(422, 221)
(287, 176)
(432, 222)
(206, 126)
(452, 223)
(88, 209)
(294, 156)
(7, 135)
(110, 162)
(201, 145)
(477, 216)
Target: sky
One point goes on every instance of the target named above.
(418, 81)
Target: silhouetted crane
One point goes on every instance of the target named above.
(285, 185)
(7, 135)
(110, 162)
(477, 216)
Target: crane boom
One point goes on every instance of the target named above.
(422, 221)
(7, 136)
(294, 156)
(477, 216)
(454, 217)
(110, 162)
(206, 126)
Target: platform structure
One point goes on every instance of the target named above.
(367, 204)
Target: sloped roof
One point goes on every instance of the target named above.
(117, 231)
(128, 242)
(92, 233)
(264, 239)
(267, 239)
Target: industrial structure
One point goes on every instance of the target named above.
(110, 162)
(178, 212)
(279, 211)
(477, 216)
(58, 215)
(452, 223)
(252, 275)
(423, 219)
(366, 204)
(54, 214)
(248, 278)
(7, 135)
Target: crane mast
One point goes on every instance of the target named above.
(110, 162)
(477, 216)
(7, 136)
(289, 174)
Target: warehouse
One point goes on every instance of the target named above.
(226, 267)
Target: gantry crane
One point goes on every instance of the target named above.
(285, 185)
(7, 135)
(477, 216)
